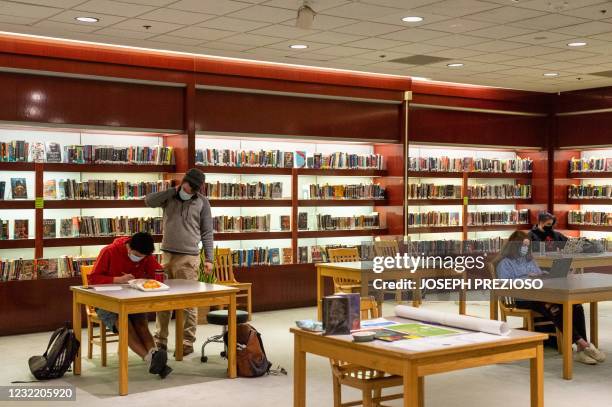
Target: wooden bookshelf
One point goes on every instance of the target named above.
(342, 202)
(265, 203)
(510, 201)
(93, 203)
(471, 175)
(17, 244)
(12, 166)
(443, 202)
(434, 174)
(16, 204)
(220, 236)
(592, 228)
(341, 172)
(341, 233)
(589, 201)
(85, 241)
(213, 169)
(434, 229)
(500, 175)
(492, 228)
(590, 174)
(65, 167)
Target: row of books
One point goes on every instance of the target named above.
(470, 164)
(456, 247)
(589, 191)
(242, 190)
(590, 164)
(33, 269)
(598, 218)
(19, 189)
(226, 223)
(431, 191)
(320, 253)
(101, 189)
(329, 222)
(89, 226)
(21, 229)
(259, 256)
(434, 219)
(505, 191)
(286, 159)
(350, 191)
(512, 217)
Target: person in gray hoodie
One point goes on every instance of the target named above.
(187, 222)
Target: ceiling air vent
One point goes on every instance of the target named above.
(607, 74)
(419, 60)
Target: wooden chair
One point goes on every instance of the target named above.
(104, 335)
(369, 381)
(388, 248)
(508, 308)
(224, 271)
(343, 255)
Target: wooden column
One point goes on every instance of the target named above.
(38, 211)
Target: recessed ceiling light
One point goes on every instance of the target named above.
(87, 19)
(412, 19)
(550, 74)
(298, 46)
(455, 65)
(577, 44)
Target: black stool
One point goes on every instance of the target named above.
(220, 317)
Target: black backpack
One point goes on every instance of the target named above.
(60, 353)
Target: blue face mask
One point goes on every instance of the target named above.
(135, 258)
(184, 195)
(524, 250)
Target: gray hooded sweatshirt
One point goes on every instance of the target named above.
(185, 222)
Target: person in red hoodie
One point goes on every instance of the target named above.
(125, 259)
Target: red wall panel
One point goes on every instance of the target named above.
(239, 112)
(584, 130)
(45, 99)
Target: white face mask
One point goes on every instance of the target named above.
(524, 250)
(135, 258)
(184, 195)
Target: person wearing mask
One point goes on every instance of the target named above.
(125, 259)
(514, 262)
(187, 221)
(543, 232)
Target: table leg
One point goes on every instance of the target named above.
(413, 388)
(319, 295)
(299, 374)
(537, 377)
(463, 297)
(421, 391)
(567, 340)
(493, 306)
(231, 338)
(122, 323)
(76, 327)
(594, 325)
(416, 293)
(180, 328)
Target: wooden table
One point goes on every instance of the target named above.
(356, 270)
(580, 260)
(575, 289)
(414, 366)
(182, 294)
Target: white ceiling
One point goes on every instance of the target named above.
(507, 43)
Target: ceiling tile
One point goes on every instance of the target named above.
(554, 6)
(391, 65)
(157, 3)
(114, 8)
(251, 39)
(596, 60)
(285, 46)
(458, 25)
(226, 46)
(219, 7)
(341, 51)
(417, 48)
(455, 53)
(557, 66)
(69, 17)
(375, 43)
(202, 33)
(318, 5)
(265, 14)
(495, 46)
(156, 27)
(330, 37)
(548, 22)
(360, 10)
(115, 32)
(368, 28)
(457, 8)
(26, 10)
(590, 28)
(593, 12)
(171, 39)
(396, 18)
(505, 15)
(176, 16)
(567, 55)
(54, 3)
(456, 40)
(499, 32)
(381, 56)
(541, 37)
(284, 31)
(490, 58)
(403, 4)
(324, 22)
(414, 35)
(526, 62)
(18, 20)
(531, 51)
(352, 61)
(58, 26)
(232, 24)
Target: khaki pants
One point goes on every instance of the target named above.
(183, 266)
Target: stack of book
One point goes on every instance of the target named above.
(350, 191)
(512, 217)
(589, 218)
(434, 219)
(470, 164)
(101, 189)
(240, 190)
(329, 222)
(259, 256)
(431, 191)
(225, 223)
(240, 158)
(89, 226)
(20, 269)
(506, 191)
(91, 154)
(590, 164)
(589, 191)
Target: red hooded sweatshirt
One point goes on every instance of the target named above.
(113, 261)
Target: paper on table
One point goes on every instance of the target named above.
(432, 343)
(108, 288)
(454, 320)
(377, 323)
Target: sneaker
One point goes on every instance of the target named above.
(595, 353)
(158, 361)
(582, 357)
(165, 372)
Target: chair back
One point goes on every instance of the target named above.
(343, 255)
(224, 270)
(368, 308)
(385, 248)
(85, 271)
(504, 302)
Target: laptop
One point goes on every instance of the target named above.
(560, 268)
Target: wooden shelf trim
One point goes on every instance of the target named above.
(589, 201)
(287, 171)
(17, 244)
(225, 236)
(472, 175)
(267, 203)
(485, 228)
(434, 229)
(590, 174)
(16, 204)
(594, 228)
(85, 241)
(342, 202)
(65, 167)
(341, 233)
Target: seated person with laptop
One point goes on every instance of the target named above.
(543, 232)
(515, 261)
(125, 259)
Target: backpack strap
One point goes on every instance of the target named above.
(53, 337)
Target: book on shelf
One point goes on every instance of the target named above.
(53, 152)
(241, 190)
(14, 151)
(597, 218)
(590, 164)
(432, 191)
(505, 191)
(19, 188)
(340, 160)
(287, 255)
(300, 159)
(288, 159)
(303, 221)
(47, 268)
(4, 229)
(511, 217)
(2, 189)
(67, 229)
(49, 228)
(28, 270)
(37, 152)
(257, 223)
(274, 256)
(455, 247)
(350, 191)
(285, 222)
(303, 254)
(108, 189)
(329, 222)
(89, 226)
(316, 254)
(49, 189)
(434, 219)
(589, 191)
(21, 229)
(43, 268)
(94, 154)
(470, 164)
